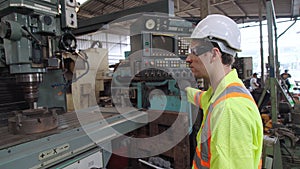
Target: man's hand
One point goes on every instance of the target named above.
(183, 84)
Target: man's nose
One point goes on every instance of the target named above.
(188, 58)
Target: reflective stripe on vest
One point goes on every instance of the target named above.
(197, 98)
(203, 154)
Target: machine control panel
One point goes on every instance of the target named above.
(164, 63)
(183, 46)
(162, 68)
(167, 24)
(162, 46)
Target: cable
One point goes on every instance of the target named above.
(84, 58)
(149, 164)
(67, 84)
(32, 35)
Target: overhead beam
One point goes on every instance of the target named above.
(296, 8)
(178, 5)
(109, 4)
(86, 13)
(219, 2)
(240, 8)
(187, 10)
(221, 10)
(204, 8)
(141, 1)
(93, 24)
(190, 4)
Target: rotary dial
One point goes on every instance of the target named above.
(150, 24)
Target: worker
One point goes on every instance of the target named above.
(231, 133)
(253, 83)
(255, 88)
(285, 79)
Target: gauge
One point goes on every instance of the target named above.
(150, 24)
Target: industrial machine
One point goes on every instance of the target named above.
(244, 66)
(278, 109)
(153, 78)
(157, 59)
(34, 35)
(36, 131)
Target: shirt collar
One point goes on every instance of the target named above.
(231, 77)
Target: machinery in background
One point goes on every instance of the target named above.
(244, 66)
(34, 35)
(156, 60)
(153, 78)
(36, 44)
(282, 150)
(286, 131)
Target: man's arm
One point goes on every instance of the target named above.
(255, 82)
(194, 95)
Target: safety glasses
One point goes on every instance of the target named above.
(202, 46)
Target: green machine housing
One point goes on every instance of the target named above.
(156, 64)
(33, 34)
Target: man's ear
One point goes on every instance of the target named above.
(215, 53)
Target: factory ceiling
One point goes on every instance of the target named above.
(240, 10)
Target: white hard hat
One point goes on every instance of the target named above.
(219, 28)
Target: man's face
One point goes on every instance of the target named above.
(198, 63)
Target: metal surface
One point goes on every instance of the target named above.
(40, 150)
(30, 87)
(8, 6)
(30, 31)
(11, 98)
(179, 154)
(50, 96)
(272, 61)
(150, 164)
(239, 10)
(261, 43)
(156, 71)
(92, 160)
(276, 152)
(93, 24)
(29, 78)
(204, 8)
(27, 29)
(41, 137)
(244, 67)
(33, 121)
(272, 156)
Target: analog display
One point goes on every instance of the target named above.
(150, 24)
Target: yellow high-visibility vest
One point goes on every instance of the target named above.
(231, 134)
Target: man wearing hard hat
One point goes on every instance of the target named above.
(231, 134)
